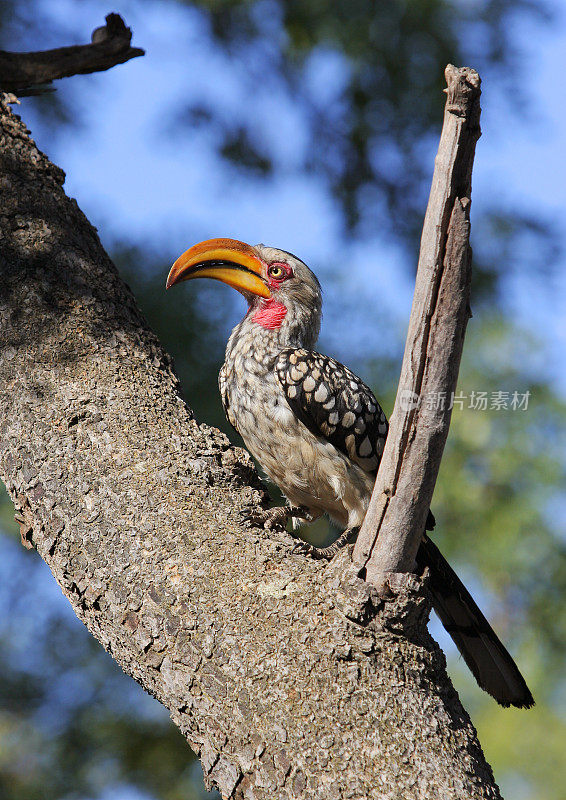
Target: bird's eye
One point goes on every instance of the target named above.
(276, 271)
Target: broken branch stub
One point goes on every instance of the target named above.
(28, 73)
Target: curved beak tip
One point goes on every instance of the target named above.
(227, 260)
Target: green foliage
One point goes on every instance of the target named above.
(502, 472)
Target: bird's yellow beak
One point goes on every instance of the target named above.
(226, 260)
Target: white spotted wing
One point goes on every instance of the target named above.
(334, 404)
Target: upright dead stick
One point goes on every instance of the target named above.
(394, 523)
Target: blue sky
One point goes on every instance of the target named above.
(146, 179)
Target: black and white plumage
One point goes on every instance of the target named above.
(333, 402)
(317, 430)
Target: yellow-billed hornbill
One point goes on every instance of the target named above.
(318, 431)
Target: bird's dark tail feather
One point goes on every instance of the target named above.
(489, 661)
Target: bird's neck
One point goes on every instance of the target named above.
(269, 328)
(270, 314)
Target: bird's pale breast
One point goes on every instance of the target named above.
(310, 471)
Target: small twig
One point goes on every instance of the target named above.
(395, 521)
(110, 46)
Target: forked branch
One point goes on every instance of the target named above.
(394, 523)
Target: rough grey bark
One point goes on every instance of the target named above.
(290, 678)
(393, 526)
(110, 46)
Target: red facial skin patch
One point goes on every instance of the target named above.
(270, 314)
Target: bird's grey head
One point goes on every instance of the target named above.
(296, 297)
(283, 294)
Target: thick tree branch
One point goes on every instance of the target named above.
(288, 677)
(110, 46)
(395, 521)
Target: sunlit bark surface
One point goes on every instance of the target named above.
(289, 677)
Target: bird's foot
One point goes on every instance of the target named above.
(273, 517)
(326, 553)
